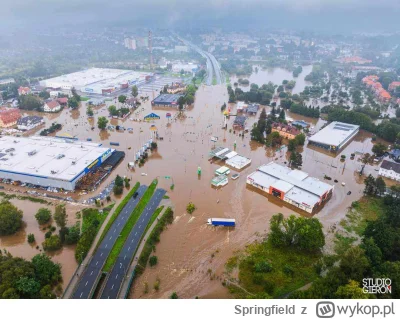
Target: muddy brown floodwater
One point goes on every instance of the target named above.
(189, 249)
(18, 246)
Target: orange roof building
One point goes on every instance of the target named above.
(9, 117)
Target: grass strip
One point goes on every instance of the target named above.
(112, 257)
(118, 211)
(92, 220)
(153, 239)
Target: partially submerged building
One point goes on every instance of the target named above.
(231, 158)
(166, 100)
(239, 123)
(292, 186)
(49, 162)
(390, 170)
(284, 130)
(29, 122)
(334, 136)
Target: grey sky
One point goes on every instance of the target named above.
(309, 14)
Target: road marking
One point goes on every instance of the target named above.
(91, 273)
(86, 283)
(132, 241)
(101, 254)
(81, 294)
(124, 257)
(135, 233)
(106, 246)
(129, 248)
(140, 226)
(111, 237)
(116, 276)
(115, 230)
(112, 288)
(118, 224)
(97, 263)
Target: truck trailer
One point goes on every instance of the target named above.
(229, 222)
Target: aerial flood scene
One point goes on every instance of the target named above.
(142, 161)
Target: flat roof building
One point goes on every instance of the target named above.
(166, 100)
(96, 80)
(48, 161)
(238, 162)
(334, 136)
(292, 186)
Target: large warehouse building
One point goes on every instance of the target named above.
(97, 80)
(292, 186)
(49, 162)
(334, 136)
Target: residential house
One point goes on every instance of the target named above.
(239, 122)
(286, 131)
(301, 123)
(390, 170)
(29, 122)
(9, 117)
(63, 101)
(23, 90)
(52, 106)
(176, 87)
(252, 109)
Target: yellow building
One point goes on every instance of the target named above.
(285, 131)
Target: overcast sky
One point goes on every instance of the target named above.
(350, 15)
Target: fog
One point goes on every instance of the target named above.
(316, 15)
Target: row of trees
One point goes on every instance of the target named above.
(188, 98)
(118, 112)
(388, 129)
(256, 94)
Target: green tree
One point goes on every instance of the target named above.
(119, 181)
(30, 102)
(292, 145)
(44, 95)
(73, 103)
(174, 295)
(60, 216)
(47, 293)
(380, 186)
(52, 243)
(113, 110)
(153, 260)
(282, 115)
(305, 233)
(10, 218)
(72, 235)
(379, 149)
(134, 91)
(102, 122)
(354, 263)
(300, 139)
(89, 111)
(28, 287)
(190, 208)
(370, 185)
(351, 291)
(296, 159)
(10, 293)
(31, 238)
(122, 98)
(43, 215)
(46, 271)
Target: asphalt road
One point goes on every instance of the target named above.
(89, 278)
(116, 277)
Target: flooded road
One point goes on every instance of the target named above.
(191, 254)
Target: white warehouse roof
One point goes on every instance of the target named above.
(46, 157)
(334, 134)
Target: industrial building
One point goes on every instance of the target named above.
(334, 136)
(49, 162)
(168, 100)
(97, 80)
(292, 186)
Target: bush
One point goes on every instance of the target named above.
(31, 238)
(190, 208)
(43, 216)
(48, 234)
(10, 218)
(263, 266)
(52, 243)
(72, 235)
(118, 190)
(53, 228)
(174, 295)
(153, 261)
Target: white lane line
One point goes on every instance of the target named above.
(140, 226)
(101, 254)
(112, 288)
(110, 237)
(116, 276)
(97, 263)
(91, 273)
(129, 248)
(81, 294)
(86, 283)
(135, 233)
(106, 246)
(124, 257)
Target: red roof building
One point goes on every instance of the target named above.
(393, 86)
(286, 131)
(23, 90)
(9, 117)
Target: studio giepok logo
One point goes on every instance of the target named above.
(377, 286)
